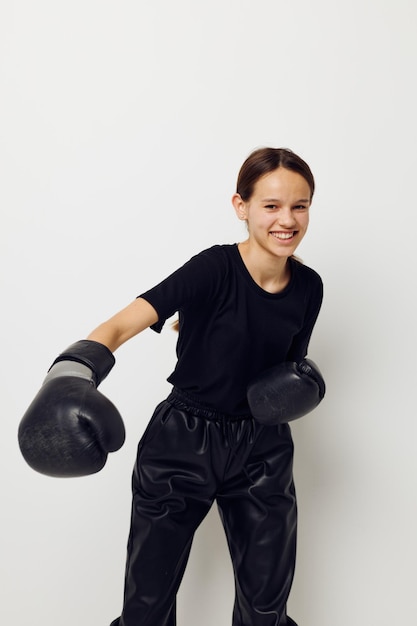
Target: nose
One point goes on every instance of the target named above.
(286, 217)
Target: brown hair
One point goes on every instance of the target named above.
(265, 160)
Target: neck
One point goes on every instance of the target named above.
(270, 272)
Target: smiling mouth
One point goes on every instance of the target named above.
(284, 236)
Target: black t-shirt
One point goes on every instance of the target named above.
(230, 328)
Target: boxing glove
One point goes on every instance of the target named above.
(286, 392)
(70, 427)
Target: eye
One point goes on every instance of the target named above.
(271, 207)
(301, 207)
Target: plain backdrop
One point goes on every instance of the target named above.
(122, 128)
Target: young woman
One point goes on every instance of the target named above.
(243, 309)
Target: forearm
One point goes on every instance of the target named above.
(124, 325)
(109, 335)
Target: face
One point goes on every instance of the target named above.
(277, 213)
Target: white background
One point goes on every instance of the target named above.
(122, 127)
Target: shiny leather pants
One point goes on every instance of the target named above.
(187, 458)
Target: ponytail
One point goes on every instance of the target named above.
(176, 326)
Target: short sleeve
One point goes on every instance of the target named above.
(195, 282)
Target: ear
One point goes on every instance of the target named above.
(239, 206)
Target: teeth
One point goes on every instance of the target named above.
(283, 235)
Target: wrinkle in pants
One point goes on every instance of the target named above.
(185, 462)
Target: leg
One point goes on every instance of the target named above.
(258, 510)
(171, 621)
(172, 492)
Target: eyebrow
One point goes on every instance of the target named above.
(278, 200)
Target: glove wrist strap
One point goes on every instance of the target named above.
(70, 368)
(92, 354)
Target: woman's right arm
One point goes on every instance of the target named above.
(126, 324)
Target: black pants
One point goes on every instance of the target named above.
(187, 458)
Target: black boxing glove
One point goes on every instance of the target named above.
(286, 392)
(70, 427)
